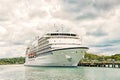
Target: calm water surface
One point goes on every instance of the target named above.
(19, 72)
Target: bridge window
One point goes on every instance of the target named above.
(61, 34)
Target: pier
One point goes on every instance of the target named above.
(100, 64)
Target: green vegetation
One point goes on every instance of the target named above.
(87, 58)
(18, 60)
(96, 58)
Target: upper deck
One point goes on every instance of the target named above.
(55, 40)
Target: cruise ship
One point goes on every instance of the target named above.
(55, 49)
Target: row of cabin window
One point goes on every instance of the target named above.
(44, 50)
(66, 44)
(33, 48)
(70, 37)
(40, 48)
(44, 53)
(40, 51)
(58, 34)
(44, 42)
(42, 39)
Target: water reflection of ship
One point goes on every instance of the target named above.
(52, 73)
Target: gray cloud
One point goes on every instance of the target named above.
(89, 9)
(21, 20)
(97, 33)
(101, 45)
(112, 42)
(105, 5)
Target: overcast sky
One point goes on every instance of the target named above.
(96, 21)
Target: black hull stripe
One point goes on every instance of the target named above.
(71, 48)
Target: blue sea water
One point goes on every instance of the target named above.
(20, 72)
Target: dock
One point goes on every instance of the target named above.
(100, 64)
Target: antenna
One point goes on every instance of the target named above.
(55, 27)
(62, 27)
(81, 40)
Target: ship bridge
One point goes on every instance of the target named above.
(60, 34)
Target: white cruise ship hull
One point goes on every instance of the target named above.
(58, 57)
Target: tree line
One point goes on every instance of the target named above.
(94, 57)
(87, 58)
(17, 60)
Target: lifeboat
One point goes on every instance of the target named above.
(31, 54)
